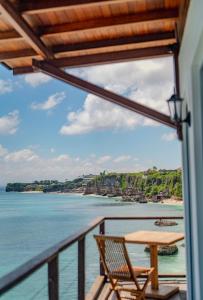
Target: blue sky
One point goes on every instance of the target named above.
(51, 130)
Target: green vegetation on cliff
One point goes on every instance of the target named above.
(45, 186)
(151, 182)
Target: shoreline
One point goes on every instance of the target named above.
(32, 192)
(169, 201)
(64, 193)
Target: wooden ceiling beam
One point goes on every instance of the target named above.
(9, 55)
(103, 58)
(9, 35)
(111, 57)
(23, 70)
(12, 55)
(36, 7)
(183, 10)
(6, 66)
(149, 16)
(88, 87)
(17, 22)
(154, 37)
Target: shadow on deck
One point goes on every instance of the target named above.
(101, 291)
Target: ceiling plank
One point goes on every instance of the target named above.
(103, 58)
(154, 37)
(35, 7)
(148, 16)
(88, 87)
(170, 14)
(9, 12)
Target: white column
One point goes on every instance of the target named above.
(191, 86)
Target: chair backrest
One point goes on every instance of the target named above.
(115, 257)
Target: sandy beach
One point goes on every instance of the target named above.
(32, 192)
(171, 202)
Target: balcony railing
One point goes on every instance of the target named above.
(50, 258)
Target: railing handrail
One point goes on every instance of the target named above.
(19, 274)
(111, 218)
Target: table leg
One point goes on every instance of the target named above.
(154, 291)
(154, 264)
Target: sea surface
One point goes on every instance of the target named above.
(31, 223)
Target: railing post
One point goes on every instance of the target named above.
(53, 279)
(81, 269)
(102, 231)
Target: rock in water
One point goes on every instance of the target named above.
(165, 223)
(164, 250)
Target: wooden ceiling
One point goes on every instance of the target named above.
(74, 33)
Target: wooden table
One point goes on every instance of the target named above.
(155, 239)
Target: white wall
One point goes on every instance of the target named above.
(191, 62)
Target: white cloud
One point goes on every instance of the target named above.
(9, 123)
(149, 82)
(100, 115)
(36, 79)
(135, 159)
(122, 158)
(103, 159)
(168, 137)
(21, 155)
(52, 150)
(62, 157)
(5, 86)
(50, 103)
(26, 165)
(3, 151)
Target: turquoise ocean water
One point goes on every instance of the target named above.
(31, 223)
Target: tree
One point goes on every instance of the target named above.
(154, 190)
(123, 183)
(178, 190)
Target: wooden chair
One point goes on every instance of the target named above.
(122, 275)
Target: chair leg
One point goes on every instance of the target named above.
(118, 295)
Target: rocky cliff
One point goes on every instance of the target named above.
(156, 184)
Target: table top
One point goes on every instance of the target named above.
(154, 237)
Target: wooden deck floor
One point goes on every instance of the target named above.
(102, 292)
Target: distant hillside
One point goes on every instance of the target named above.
(76, 185)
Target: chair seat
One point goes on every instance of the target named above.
(137, 270)
(140, 270)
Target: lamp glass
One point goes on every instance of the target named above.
(179, 108)
(172, 108)
(175, 108)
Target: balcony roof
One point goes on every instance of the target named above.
(74, 33)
